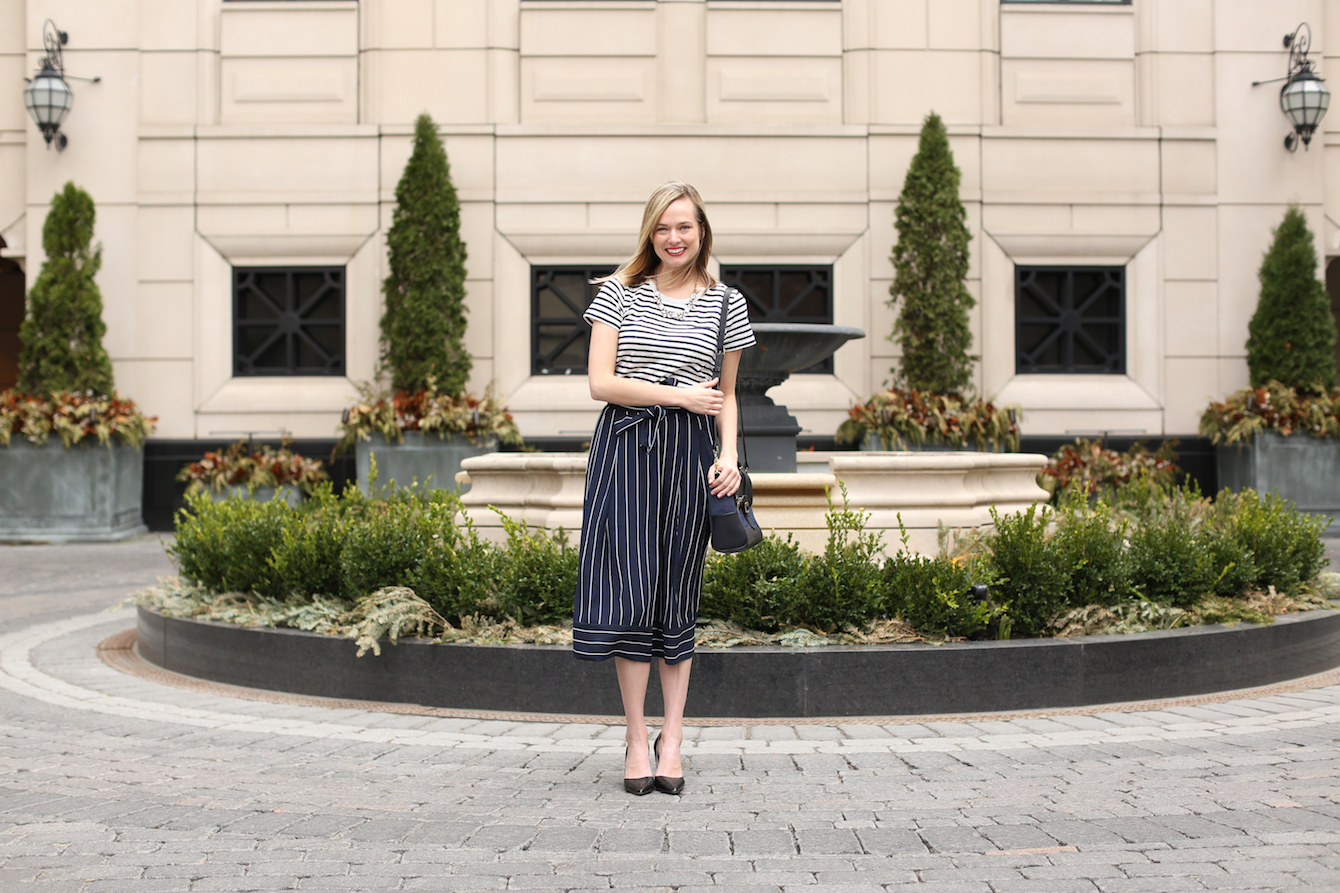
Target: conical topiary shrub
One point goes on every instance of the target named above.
(423, 325)
(63, 329)
(930, 264)
(931, 399)
(1291, 338)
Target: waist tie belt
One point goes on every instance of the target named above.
(647, 421)
(652, 416)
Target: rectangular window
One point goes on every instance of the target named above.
(288, 321)
(559, 337)
(1070, 319)
(786, 293)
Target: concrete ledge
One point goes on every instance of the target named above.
(872, 680)
(922, 490)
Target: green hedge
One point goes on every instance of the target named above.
(1144, 543)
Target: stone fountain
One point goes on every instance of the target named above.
(918, 492)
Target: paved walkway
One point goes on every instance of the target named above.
(109, 782)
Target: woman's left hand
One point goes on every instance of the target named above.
(725, 477)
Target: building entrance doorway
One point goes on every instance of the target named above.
(11, 317)
(1333, 291)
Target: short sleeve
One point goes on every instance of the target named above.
(608, 306)
(739, 335)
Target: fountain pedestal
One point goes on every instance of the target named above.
(770, 433)
(782, 348)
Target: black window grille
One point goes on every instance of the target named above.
(288, 320)
(786, 293)
(559, 337)
(1070, 319)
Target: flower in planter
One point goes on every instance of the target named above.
(480, 420)
(1272, 407)
(910, 416)
(74, 417)
(242, 465)
(1090, 465)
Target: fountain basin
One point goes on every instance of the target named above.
(786, 347)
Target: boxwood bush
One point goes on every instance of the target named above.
(935, 596)
(1145, 543)
(227, 546)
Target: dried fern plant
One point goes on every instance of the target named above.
(391, 612)
(1258, 607)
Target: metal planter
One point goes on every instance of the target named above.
(88, 493)
(1300, 468)
(432, 461)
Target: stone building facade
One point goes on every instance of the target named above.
(1120, 172)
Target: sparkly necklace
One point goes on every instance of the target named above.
(676, 313)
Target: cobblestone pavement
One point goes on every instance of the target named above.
(112, 783)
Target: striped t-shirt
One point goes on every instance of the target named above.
(653, 347)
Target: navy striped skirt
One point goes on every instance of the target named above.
(644, 534)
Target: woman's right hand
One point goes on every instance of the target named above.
(703, 398)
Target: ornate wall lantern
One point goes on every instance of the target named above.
(48, 97)
(1303, 98)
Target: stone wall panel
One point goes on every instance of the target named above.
(262, 132)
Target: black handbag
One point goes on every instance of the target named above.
(734, 527)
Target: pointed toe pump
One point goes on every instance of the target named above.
(638, 786)
(666, 784)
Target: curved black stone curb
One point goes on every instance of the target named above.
(868, 680)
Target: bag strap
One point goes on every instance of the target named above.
(720, 361)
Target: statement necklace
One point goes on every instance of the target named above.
(672, 312)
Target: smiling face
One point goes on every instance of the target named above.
(677, 237)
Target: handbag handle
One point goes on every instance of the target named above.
(720, 361)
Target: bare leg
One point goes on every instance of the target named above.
(633, 676)
(675, 689)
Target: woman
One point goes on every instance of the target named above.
(654, 327)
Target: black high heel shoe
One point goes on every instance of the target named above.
(638, 786)
(665, 783)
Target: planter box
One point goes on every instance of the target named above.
(1300, 468)
(89, 493)
(431, 460)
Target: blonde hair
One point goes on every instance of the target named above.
(642, 265)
